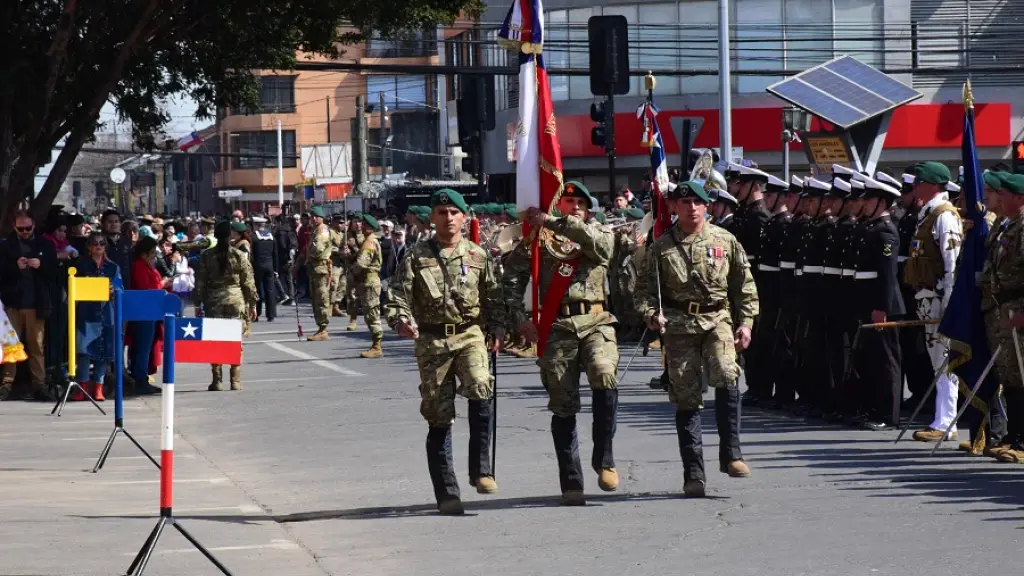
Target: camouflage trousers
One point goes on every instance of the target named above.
(565, 357)
(353, 303)
(338, 285)
(688, 357)
(1006, 367)
(441, 361)
(228, 310)
(319, 287)
(369, 297)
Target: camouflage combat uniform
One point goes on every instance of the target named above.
(582, 338)
(452, 311)
(353, 305)
(338, 277)
(226, 289)
(318, 259)
(706, 289)
(366, 274)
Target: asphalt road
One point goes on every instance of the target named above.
(317, 467)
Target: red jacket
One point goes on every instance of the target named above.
(146, 277)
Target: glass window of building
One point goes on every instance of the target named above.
(658, 39)
(259, 149)
(698, 45)
(858, 30)
(399, 91)
(556, 52)
(806, 46)
(759, 42)
(579, 52)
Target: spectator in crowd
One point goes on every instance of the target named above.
(58, 236)
(146, 337)
(163, 261)
(28, 266)
(94, 330)
(116, 250)
(302, 278)
(78, 233)
(287, 249)
(237, 216)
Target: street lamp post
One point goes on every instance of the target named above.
(794, 120)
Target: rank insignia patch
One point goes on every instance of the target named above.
(887, 249)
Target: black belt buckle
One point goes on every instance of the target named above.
(693, 308)
(449, 329)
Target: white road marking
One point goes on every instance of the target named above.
(107, 437)
(246, 509)
(316, 361)
(220, 480)
(177, 456)
(273, 545)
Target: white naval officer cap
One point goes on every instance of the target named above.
(840, 171)
(841, 185)
(815, 187)
(881, 187)
(777, 185)
(259, 220)
(952, 187)
(796, 184)
(887, 179)
(909, 178)
(723, 195)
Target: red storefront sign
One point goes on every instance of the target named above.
(759, 129)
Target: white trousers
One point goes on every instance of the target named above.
(929, 307)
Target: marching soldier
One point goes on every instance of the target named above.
(709, 303)
(225, 289)
(264, 261)
(930, 270)
(353, 243)
(318, 259)
(338, 277)
(724, 209)
(366, 273)
(446, 297)
(573, 269)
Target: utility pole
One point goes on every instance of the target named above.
(383, 137)
(481, 116)
(360, 138)
(280, 168)
(328, 119)
(724, 83)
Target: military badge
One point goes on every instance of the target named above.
(565, 270)
(887, 249)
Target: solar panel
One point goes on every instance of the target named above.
(844, 91)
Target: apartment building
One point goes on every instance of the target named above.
(927, 43)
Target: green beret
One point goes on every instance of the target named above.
(448, 197)
(992, 180)
(600, 217)
(413, 210)
(634, 213)
(510, 211)
(574, 189)
(423, 217)
(932, 173)
(370, 220)
(238, 226)
(222, 228)
(317, 211)
(1013, 183)
(689, 189)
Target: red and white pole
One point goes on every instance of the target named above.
(167, 420)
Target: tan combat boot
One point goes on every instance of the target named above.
(737, 469)
(320, 336)
(375, 351)
(218, 377)
(337, 312)
(932, 435)
(236, 377)
(655, 344)
(351, 324)
(486, 485)
(608, 479)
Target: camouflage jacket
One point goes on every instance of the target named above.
(366, 268)
(217, 285)
(420, 290)
(337, 244)
(318, 256)
(588, 283)
(709, 269)
(1003, 274)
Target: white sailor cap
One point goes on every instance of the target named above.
(724, 196)
(857, 186)
(877, 189)
(909, 178)
(840, 188)
(887, 179)
(748, 174)
(796, 184)
(733, 169)
(259, 220)
(858, 177)
(952, 187)
(815, 187)
(840, 171)
(776, 185)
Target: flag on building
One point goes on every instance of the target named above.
(963, 322)
(208, 341)
(652, 140)
(186, 143)
(539, 180)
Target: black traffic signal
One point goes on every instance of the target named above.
(1017, 156)
(603, 134)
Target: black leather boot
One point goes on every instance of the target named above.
(442, 471)
(481, 476)
(567, 450)
(605, 407)
(727, 417)
(691, 450)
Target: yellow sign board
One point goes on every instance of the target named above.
(85, 289)
(826, 151)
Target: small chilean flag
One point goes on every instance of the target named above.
(185, 143)
(208, 341)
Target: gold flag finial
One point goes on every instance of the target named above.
(968, 96)
(649, 81)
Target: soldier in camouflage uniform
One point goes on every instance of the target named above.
(624, 271)
(446, 296)
(318, 259)
(582, 336)
(709, 303)
(338, 276)
(225, 288)
(366, 274)
(353, 241)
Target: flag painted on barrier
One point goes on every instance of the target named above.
(208, 341)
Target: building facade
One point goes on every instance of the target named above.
(927, 44)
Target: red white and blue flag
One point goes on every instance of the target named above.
(652, 140)
(208, 341)
(186, 143)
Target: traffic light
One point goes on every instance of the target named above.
(603, 134)
(1017, 156)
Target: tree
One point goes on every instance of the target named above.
(64, 59)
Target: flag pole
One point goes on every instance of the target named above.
(967, 402)
(650, 82)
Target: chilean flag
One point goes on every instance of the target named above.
(208, 341)
(186, 143)
(651, 139)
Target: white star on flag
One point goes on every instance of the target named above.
(190, 330)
